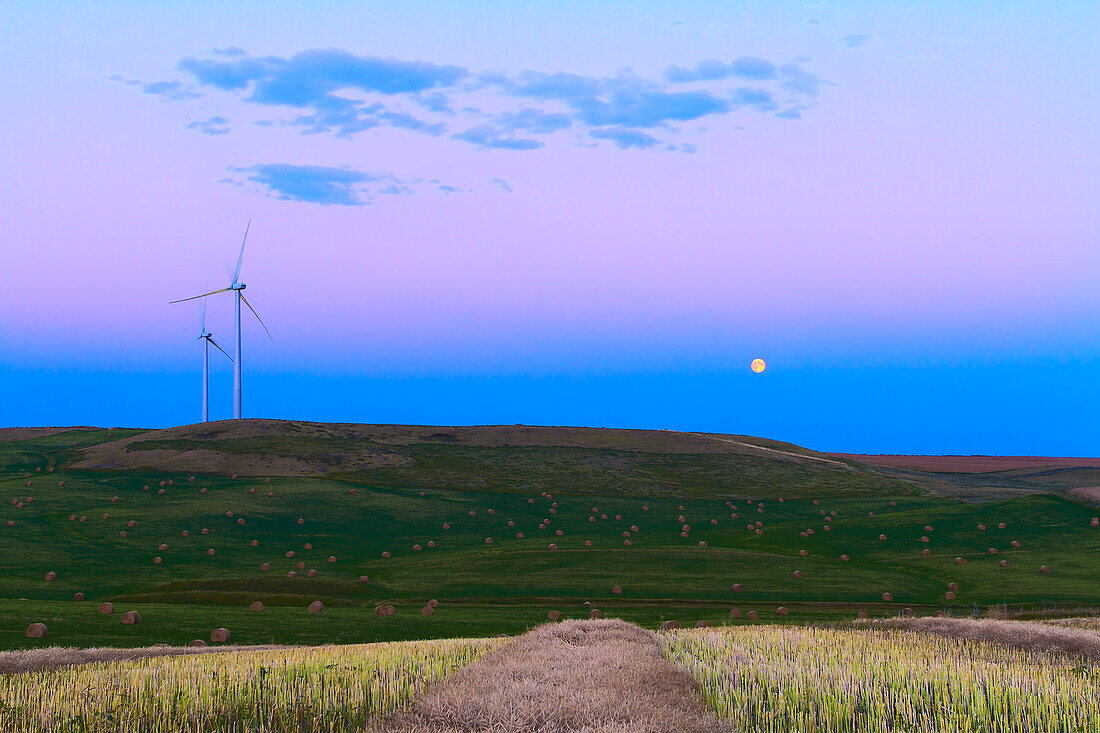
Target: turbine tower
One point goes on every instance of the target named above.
(237, 288)
(207, 341)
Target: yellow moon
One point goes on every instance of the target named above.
(758, 365)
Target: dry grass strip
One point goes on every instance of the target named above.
(54, 657)
(595, 676)
(1028, 635)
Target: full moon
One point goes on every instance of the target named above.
(758, 365)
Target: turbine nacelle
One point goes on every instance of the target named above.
(237, 286)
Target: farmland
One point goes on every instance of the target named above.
(362, 516)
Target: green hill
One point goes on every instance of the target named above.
(570, 512)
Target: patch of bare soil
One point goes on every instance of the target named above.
(1092, 493)
(604, 676)
(968, 464)
(36, 660)
(8, 435)
(1032, 636)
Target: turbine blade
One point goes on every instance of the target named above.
(195, 297)
(227, 356)
(202, 318)
(240, 257)
(257, 316)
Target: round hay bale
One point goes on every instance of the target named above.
(939, 614)
(1095, 522)
(311, 573)
(737, 588)
(992, 551)
(1044, 570)
(131, 523)
(882, 536)
(185, 533)
(431, 543)
(782, 611)
(196, 643)
(753, 616)
(78, 597)
(626, 542)
(981, 527)
(703, 624)
(949, 596)
(702, 543)
(617, 590)
(553, 547)
(204, 531)
(256, 606)
(106, 607)
(845, 558)
(1002, 525)
(960, 561)
(51, 575)
(390, 610)
(332, 558)
(316, 607)
(210, 552)
(595, 613)
(488, 540)
(380, 610)
(511, 523)
(803, 553)
(669, 626)
(553, 615)
(924, 538)
(887, 597)
(735, 613)
(131, 618)
(271, 495)
(307, 546)
(36, 631)
(433, 603)
(519, 535)
(122, 534)
(265, 566)
(427, 611)
(300, 565)
(952, 585)
(863, 615)
(1003, 563)
(162, 546)
(220, 635)
(1015, 543)
(157, 560)
(292, 574)
(290, 553)
(797, 574)
(386, 554)
(559, 533)
(634, 528)
(254, 543)
(926, 552)
(364, 579)
(240, 521)
(928, 528)
(588, 543)
(907, 612)
(758, 531)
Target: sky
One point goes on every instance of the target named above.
(561, 213)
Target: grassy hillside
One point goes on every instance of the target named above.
(593, 486)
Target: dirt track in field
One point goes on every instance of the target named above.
(604, 676)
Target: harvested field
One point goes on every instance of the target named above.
(39, 660)
(968, 464)
(603, 676)
(1033, 636)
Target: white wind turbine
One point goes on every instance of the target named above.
(207, 342)
(237, 287)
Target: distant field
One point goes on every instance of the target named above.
(614, 496)
(968, 464)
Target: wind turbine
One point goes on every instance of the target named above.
(207, 341)
(237, 288)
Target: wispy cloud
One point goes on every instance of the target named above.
(854, 40)
(487, 136)
(625, 138)
(215, 125)
(503, 184)
(335, 92)
(170, 91)
(330, 185)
